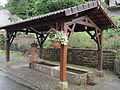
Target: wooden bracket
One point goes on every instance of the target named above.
(41, 38)
(92, 36)
(11, 36)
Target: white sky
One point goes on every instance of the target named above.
(3, 2)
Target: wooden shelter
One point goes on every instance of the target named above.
(83, 18)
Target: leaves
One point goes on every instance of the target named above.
(58, 36)
(30, 8)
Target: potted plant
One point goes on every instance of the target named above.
(57, 38)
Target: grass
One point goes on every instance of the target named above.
(14, 54)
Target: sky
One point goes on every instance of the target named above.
(3, 2)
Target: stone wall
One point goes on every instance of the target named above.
(117, 67)
(85, 57)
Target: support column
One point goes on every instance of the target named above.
(63, 84)
(41, 39)
(41, 46)
(7, 47)
(33, 54)
(63, 63)
(100, 55)
(9, 39)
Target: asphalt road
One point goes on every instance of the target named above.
(8, 84)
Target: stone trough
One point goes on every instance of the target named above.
(74, 75)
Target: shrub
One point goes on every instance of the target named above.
(21, 47)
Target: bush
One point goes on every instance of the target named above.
(21, 47)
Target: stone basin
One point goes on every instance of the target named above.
(74, 75)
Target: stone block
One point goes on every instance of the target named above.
(99, 73)
(62, 85)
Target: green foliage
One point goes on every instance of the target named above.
(21, 8)
(112, 37)
(30, 8)
(81, 40)
(54, 5)
(21, 47)
(58, 36)
(15, 54)
(117, 19)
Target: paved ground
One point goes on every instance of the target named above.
(8, 84)
(41, 81)
(24, 77)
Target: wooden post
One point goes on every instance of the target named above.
(7, 47)
(63, 84)
(100, 55)
(41, 47)
(33, 52)
(41, 51)
(63, 56)
(63, 63)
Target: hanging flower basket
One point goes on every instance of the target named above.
(57, 38)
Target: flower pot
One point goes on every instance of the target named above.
(56, 44)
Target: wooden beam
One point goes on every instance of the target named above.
(76, 20)
(93, 23)
(85, 23)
